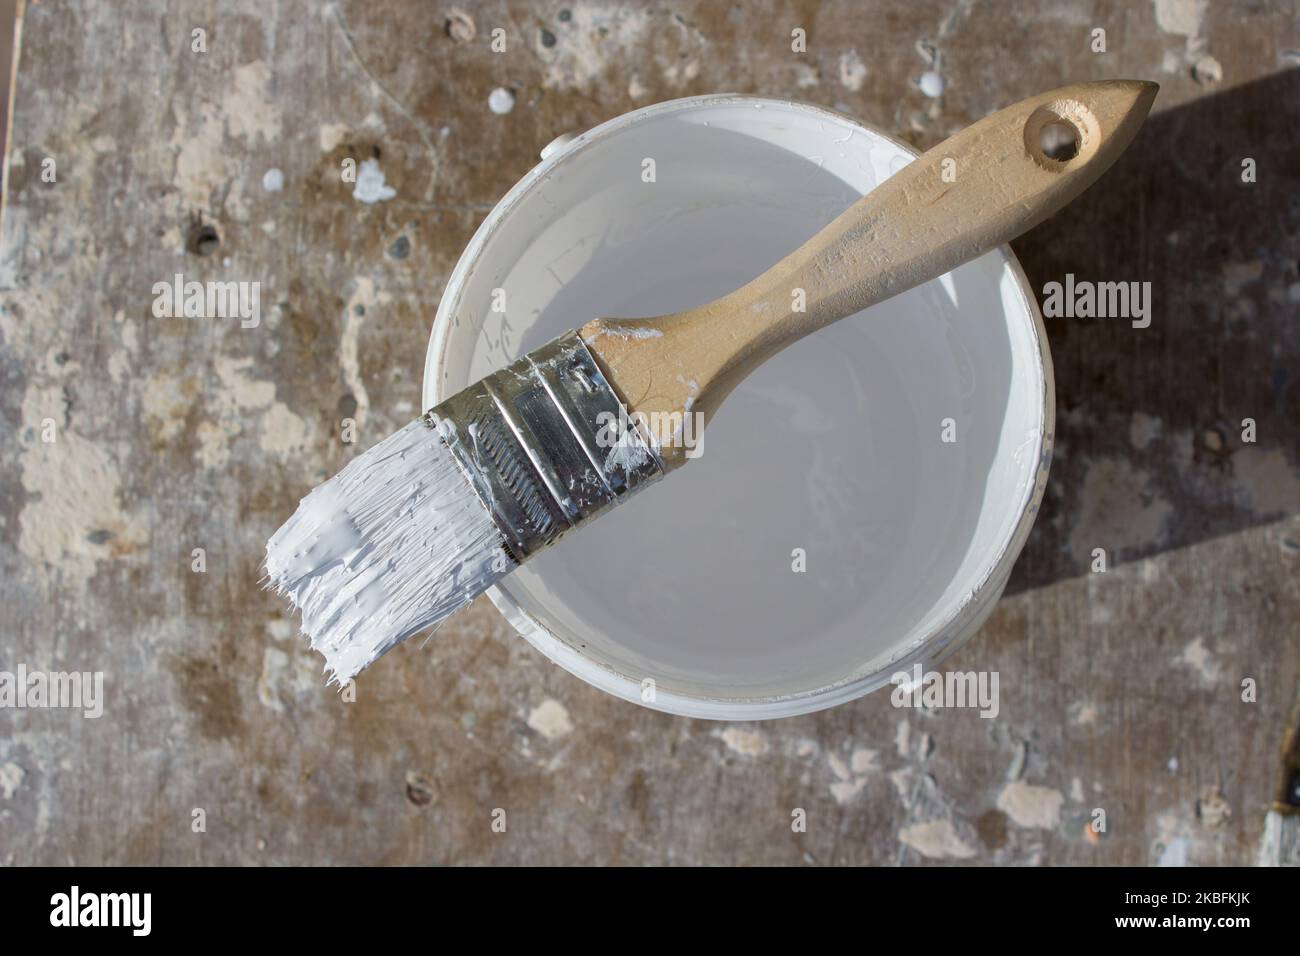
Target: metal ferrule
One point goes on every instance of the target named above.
(534, 440)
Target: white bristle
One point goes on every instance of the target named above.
(390, 546)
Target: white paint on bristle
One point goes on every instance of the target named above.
(390, 546)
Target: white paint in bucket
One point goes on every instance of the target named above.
(833, 446)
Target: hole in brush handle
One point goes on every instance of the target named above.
(1061, 134)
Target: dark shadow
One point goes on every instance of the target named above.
(1149, 434)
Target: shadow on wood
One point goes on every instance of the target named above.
(1150, 444)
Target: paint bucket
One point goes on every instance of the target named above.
(859, 500)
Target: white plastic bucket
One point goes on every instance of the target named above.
(687, 598)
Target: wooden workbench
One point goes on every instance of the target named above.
(1120, 691)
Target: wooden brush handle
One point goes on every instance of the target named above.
(971, 193)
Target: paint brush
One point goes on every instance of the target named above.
(420, 524)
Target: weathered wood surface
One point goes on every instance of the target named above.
(1119, 691)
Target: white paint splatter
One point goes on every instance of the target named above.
(845, 790)
(1212, 808)
(249, 108)
(273, 180)
(275, 663)
(550, 718)
(282, 431)
(1016, 769)
(596, 37)
(1272, 840)
(1207, 70)
(202, 163)
(1120, 509)
(121, 360)
(1174, 852)
(805, 76)
(331, 134)
(864, 761)
(501, 101)
(902, 736)
(365, 297)
(852, 70)
(852, 775)
(460, 25)
(238, 390)
(371, 187)
(902, 780)
(839, 767)
(931, 84)
(1173, 843)
(1267, 480)
(677, 74)
(625, 332)
(1030, 806)
(281, 677)
(164, 405)
(73, 516)
(924, 747)
(285, 434)
(1180, 17)
(205, 166)
(751, 743)
(627, 455)
(1198, 657)
(11, 778)
(937, 840)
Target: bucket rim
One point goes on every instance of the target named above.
(955, 628)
